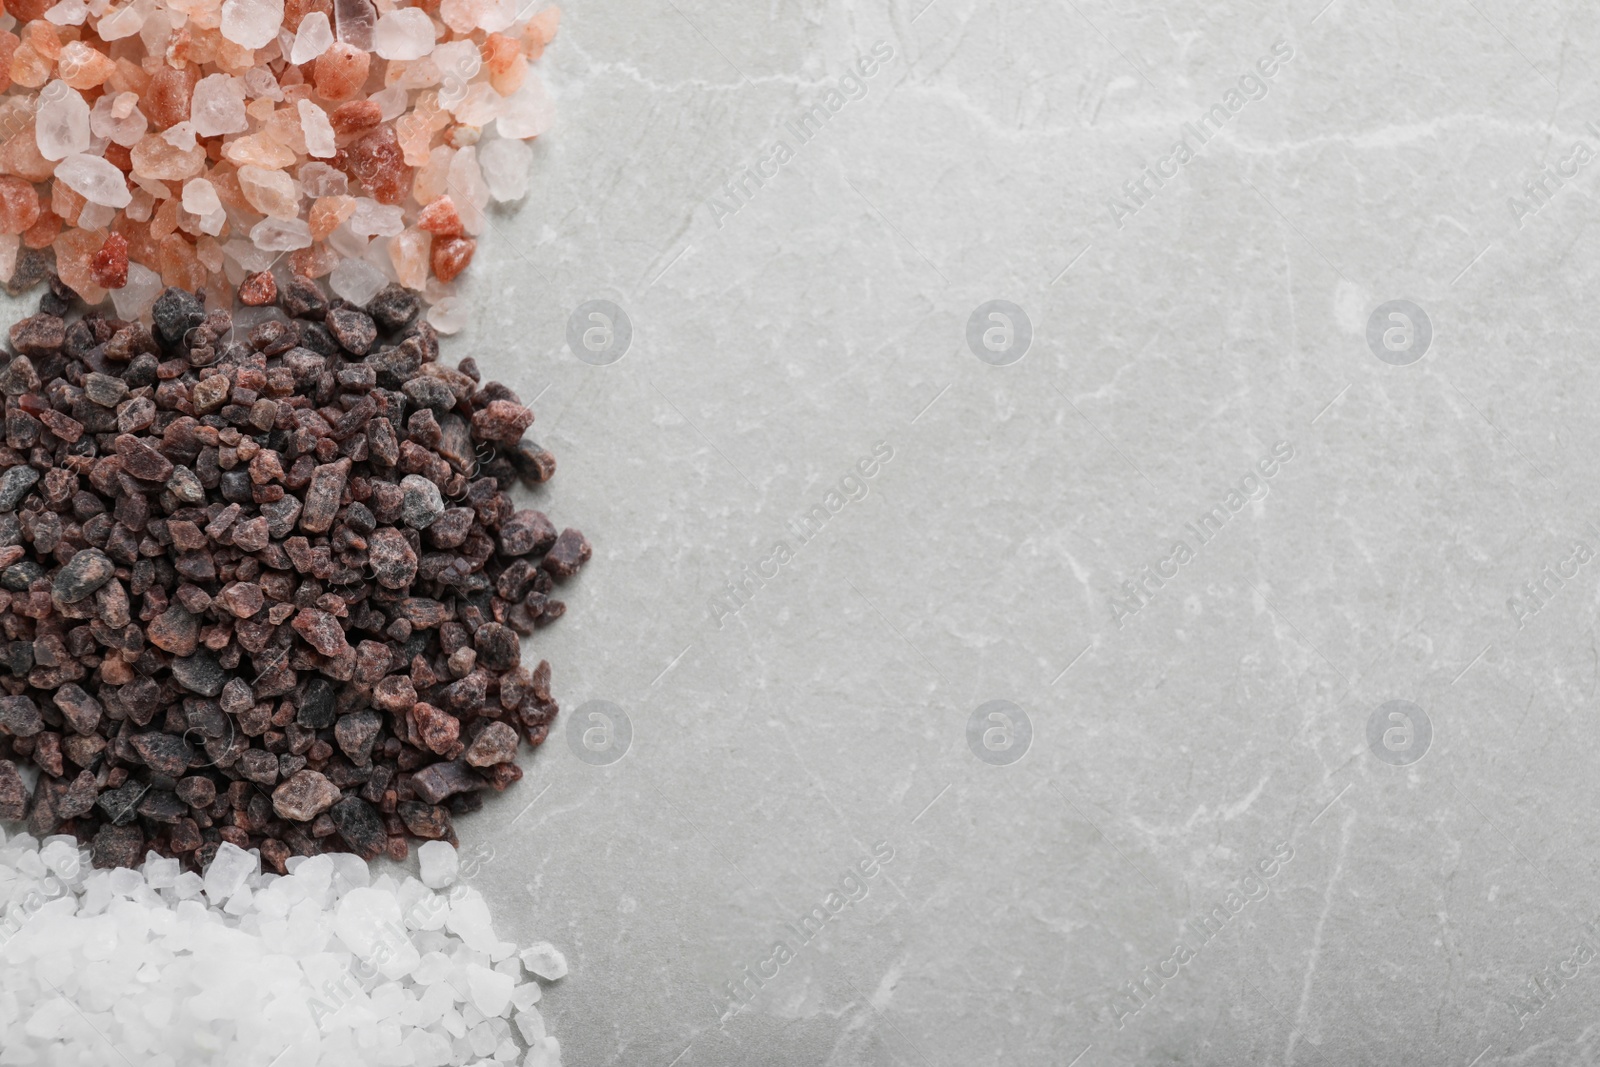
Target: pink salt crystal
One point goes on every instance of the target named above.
(154, 157)
(528, 113)
(271, 192)
(409, 254)
(404, 33)
(258, 150)
(328, 212)
(117, 118)
(311, 39)
(218, 106)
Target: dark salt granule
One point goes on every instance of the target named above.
(263, 587)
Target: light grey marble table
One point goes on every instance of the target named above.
(1371, 509)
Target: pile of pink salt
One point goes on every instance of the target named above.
(206, 144)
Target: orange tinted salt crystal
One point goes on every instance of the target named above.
(179, 264)
(340, 72)
(20, 155)
(28, 67)
(409, 252)
(109, 266)
(431, 181)
(440, 218)
(142, 247)
(129, 77)
(540, 31)
(503, 56)
(19, 205)
(8, 50)
(44, 38)
(451, 255)
(28, 10)
(317, 261)
(355, 116)
(75, 250)
(44, 232)
(165, 220)
(259, 150)
(327, 212)
(155, 157)
(166, 101)
(83, 67)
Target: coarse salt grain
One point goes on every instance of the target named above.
(323, 966)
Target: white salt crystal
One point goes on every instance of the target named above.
(353, 21)
(357, 281)
(349, 871)
(545, 960)
(281, 235)
(439, 862)
(479, 106)
(68, 13)
(180, 135)
(317, 129)
(125, 21)
(526, 996)
(372, 218)
(482, 1038)
(260, 82)
(490, 992)
(506, 164)
(200, 197)
(95, 216)
(116, 117)
(60, 856)
(465, 182)
(447, 315)
(61, 122)
(160, 872)
(528, 112)
(319, 179)
(392, 102)
(312, 39)
(405, 33)
(530, 1024)
(94, 179)
(251, 23)
(218, 106)
(125, 881)
(228, 872)
(547, 1053)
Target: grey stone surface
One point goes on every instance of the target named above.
(1180, 336)
(1175, 345)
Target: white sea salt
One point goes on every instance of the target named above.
(311, 968)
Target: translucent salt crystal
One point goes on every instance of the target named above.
(547, 1053)
(95, 180)
(271, 192)
(357, 281)
(318, 130)
(405, 33)
(96, 216)
(160, 872)
(248, 256)
(506, 165)
(61, 857)
(392, 102)
(408, 254)
(260, 83)
(530, 1024)
(132, 303)
(200, 197)
(116, 117)
(189, 883)
(373, 219)
(228, 872)
(458, 62)
(489, 991)
(467, 189)
(545, 960)
(125, 881)
(439, 865)
(528, 112)
(312, 39)
(251, 23)
(156, 30)
(281, 235)
(180, 135)
(218, 106)
(61, 124)
(526, 996)
(125, 20)
(353, 22)
(68, 13)
(319, 179)
(447, 315)
(378, 255)
(479, 106)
